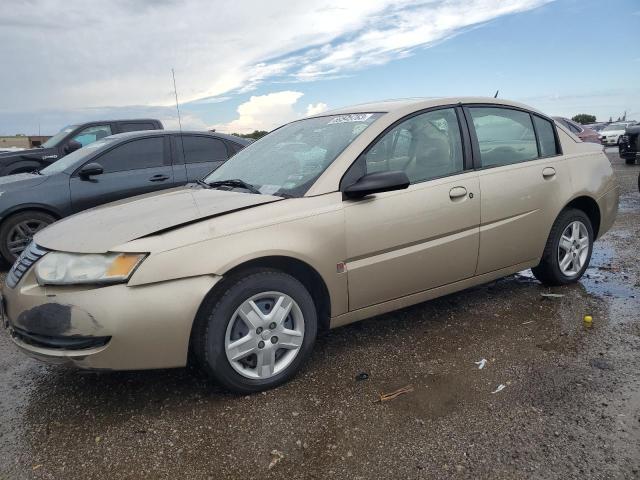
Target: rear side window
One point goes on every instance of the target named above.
(546, 137)
(198, 149)
(135, 155)
(136, 127)
(505, 136)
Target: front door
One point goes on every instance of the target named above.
(408, 241)
(133, 168)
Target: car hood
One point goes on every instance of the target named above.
(102, 228)
(20, 181)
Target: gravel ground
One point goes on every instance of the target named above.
(570, 407)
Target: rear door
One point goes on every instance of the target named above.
(201, 154)
(408, 241)
(138, 166)
(521, 172)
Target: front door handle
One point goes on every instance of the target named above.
(159, 178)
(457, 192)
(548, 173)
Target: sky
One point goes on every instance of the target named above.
(250, 64)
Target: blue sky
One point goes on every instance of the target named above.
(563, 57)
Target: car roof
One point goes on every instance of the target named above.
(155, 133)
(413, 104)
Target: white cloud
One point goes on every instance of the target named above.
(316, 109)
(71, 54)
(263, 112)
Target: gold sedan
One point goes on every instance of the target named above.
(325, 221)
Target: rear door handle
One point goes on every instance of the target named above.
(457, 192)
(159, 178)
(548, 173)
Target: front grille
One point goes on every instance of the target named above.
(27, 258)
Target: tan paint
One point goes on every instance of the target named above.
(400, 248)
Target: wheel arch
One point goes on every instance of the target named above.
(299, 269)
(30, 207)
(590, 207)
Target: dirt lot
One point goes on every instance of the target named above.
(570, 407)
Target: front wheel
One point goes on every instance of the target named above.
(257, 333)
(18, 230)
(568, 250)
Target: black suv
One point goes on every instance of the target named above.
(115, 167)
(68, 140)
(629, 145)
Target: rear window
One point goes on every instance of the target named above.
(136, 126)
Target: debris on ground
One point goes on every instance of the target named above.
(481, 363)
(527, 323)
(588, 321)
(277, 457)
(501, 387)
(552, 295)
(385, 397)
(362, 376)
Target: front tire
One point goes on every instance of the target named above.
(17, 231)
(568, 250)
(257, 333)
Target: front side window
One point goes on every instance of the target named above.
(289, 160)
(546, 137)
(199, 149)
(425, 146)
(91, 134)
(505, 136)
(135, 155)
(55, 140)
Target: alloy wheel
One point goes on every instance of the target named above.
(21, 235)
(573, 248)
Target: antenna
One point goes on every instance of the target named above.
(175, 91)
(495, 96)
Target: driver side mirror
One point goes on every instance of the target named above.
(72, 146)
(89, 170)
(376, 183)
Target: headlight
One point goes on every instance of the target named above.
(59, 268)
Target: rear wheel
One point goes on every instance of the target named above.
(18, 230)
(568, 250)
(630, 161)
(257, 333)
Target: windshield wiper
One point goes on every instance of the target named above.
(234, 182)
(202, 183)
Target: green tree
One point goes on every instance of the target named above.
(256, 134)
(584, 118)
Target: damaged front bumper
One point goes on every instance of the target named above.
(113, 327)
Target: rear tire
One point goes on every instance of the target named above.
(243, 322)
(630, 161)
(17, 231)
(565, 263)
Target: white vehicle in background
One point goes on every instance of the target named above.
(610, 135)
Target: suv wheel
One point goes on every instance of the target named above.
(257, 333)
(17, 231)
(568, 250)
